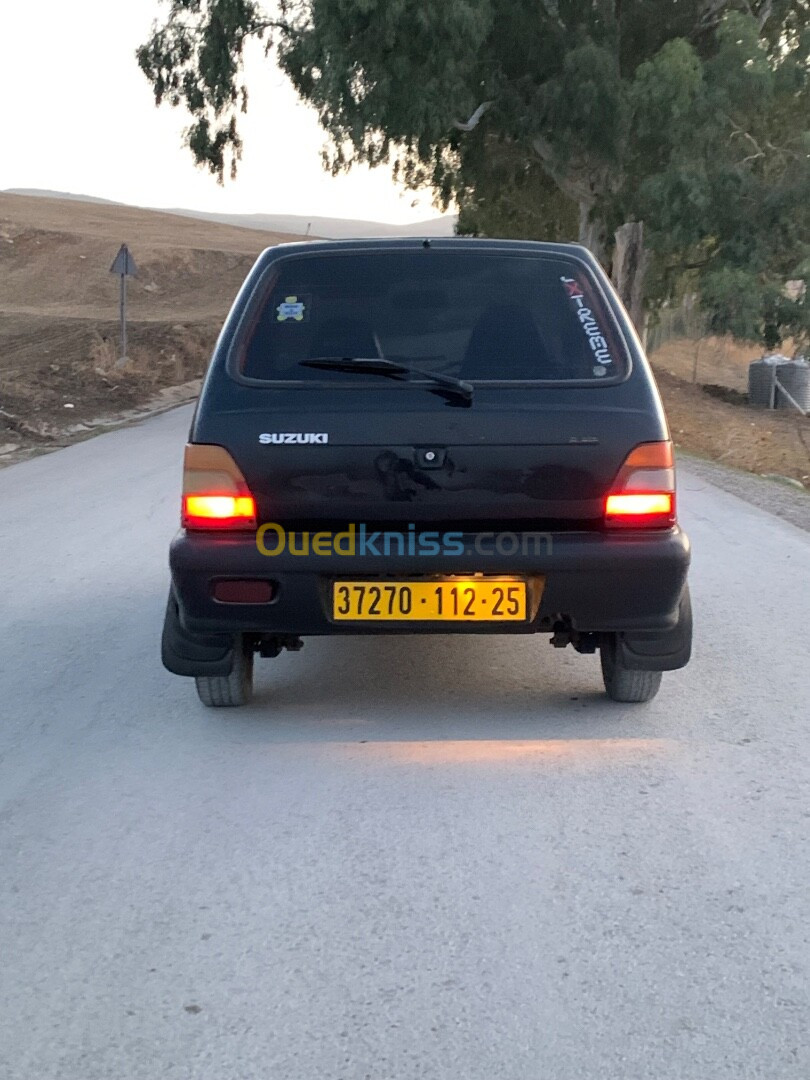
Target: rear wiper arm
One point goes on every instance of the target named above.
(378, 365)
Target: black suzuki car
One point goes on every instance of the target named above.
(421, 437)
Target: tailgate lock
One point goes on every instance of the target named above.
(431, 457)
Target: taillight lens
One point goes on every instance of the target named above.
(643, 493)
(634, 505)
(215, 494)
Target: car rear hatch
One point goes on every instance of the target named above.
(558, 397)
(507, 459)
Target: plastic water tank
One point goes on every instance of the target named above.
(760, 379)
(795, 377)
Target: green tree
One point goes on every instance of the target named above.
(545, 117)
(501, 193)
(727, 198)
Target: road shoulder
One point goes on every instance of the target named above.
(781, 499)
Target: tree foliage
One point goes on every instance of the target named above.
(554, 118)
(501, 193)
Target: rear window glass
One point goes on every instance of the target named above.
(477, 316)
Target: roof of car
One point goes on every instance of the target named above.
(433, 243)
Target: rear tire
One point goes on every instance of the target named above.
(623, 683)
(228, 691)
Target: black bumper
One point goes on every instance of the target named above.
(594, 582)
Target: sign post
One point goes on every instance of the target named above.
(124, 266)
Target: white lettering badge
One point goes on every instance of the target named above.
(294, 438)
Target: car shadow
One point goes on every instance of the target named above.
(425, 688)
(350, 688)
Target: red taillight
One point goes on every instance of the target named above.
(634, 505)
(215, 495)
(224, 511)
(643, 493)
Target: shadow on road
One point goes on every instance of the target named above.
(414, 688)
(100, 663)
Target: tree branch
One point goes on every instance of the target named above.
(711, 14)
(472, 123)
(765, 14)
(739, 132)
(758, 151)
(576, 187)
(552, 8)
(272, 24)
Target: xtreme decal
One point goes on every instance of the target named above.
(588, 322)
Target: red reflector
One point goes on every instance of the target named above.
(243, 592)
(639, 505)
(219, 511)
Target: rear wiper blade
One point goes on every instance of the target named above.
(378, 365)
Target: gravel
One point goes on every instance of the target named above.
(776, 497)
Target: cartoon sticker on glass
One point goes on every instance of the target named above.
(292, 307)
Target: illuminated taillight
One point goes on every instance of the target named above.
(215, 494)
(643, 493)
(627, 505)
(220, 507)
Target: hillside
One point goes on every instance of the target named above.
(329, 228)
(59, 304)
(332, 228)
(56, 255)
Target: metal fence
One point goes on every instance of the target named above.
(684, 321)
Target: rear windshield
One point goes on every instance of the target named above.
(478, 316)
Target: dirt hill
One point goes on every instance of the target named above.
(334, 228)
(59, 304)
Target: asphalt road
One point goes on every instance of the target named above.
(411, 858)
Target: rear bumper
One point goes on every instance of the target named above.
(594, 582)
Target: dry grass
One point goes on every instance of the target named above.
(718, 361)
(167, 366)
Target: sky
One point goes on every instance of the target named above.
(78, 116)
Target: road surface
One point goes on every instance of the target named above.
(411, 858)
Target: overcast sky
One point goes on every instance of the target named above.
(79, 116)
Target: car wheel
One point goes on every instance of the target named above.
(225, 691)
(623, 683)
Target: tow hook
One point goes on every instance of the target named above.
(583, 643)
(270, 647)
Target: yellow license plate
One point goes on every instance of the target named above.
(451, 600)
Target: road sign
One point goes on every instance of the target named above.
(124, 263)
(124, 266)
